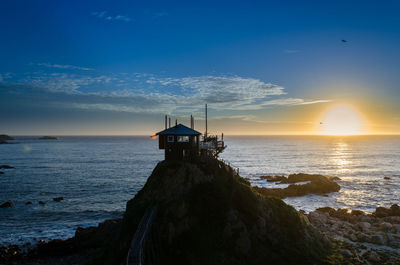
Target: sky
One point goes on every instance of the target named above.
(263, 67)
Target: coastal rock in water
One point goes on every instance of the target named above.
(394, 210)
(7, 204)
(48, 138)
(273, 178)
(318, 184)
(42, 203)
(223, 221)
(1, 173)
(3, 142)
(29, 203)
(6, 167)
(58, 199)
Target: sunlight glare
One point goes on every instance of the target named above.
(342, 120)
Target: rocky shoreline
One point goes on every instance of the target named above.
(362, 238)
(359, 237)
(80, 249)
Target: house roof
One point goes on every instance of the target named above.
(179, 129)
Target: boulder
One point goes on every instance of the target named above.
(1, 173)
(381, 212)
(364, 226)
(387, 178)
(378, 239)
(42, 203)
(7, 205)
(58, 199)
(395, 210)
(357, 212)
(328, 210)
(29, 203)
(384, 226)
(373, 256)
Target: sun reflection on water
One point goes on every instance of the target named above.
(340, 157)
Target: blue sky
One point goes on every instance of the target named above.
(116, 67)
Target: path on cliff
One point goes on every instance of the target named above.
(136, 250)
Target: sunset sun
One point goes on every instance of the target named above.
(342, 120)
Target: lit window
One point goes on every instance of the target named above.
(183, 139)
(170, 138)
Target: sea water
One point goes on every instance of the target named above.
(98, 175)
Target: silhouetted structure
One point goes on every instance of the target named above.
(183, 143)
(180, 142)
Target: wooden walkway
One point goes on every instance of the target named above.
(136, 250)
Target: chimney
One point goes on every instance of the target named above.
(165, 121)
(176, 122)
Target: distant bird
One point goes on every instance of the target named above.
(344, 40)
(321, 122)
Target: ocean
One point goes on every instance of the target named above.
(98, 175)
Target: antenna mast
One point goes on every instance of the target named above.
(205, 135)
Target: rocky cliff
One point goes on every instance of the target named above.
(207, 214)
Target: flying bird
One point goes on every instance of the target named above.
(344, 40)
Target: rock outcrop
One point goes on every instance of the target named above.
(207, 214)
(318, 184)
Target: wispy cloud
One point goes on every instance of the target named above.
(64, 66)
(148, 93)
(106, 16)
(160, 14)
(290, 51)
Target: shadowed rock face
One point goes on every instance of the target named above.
(319, 184)
(208, 215)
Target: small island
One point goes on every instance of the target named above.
(4, 138)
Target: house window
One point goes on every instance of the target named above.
(183, 139)
(170, 138)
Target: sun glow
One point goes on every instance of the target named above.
(342, 120)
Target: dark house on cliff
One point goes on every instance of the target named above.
(183, 143)
(180, 142)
